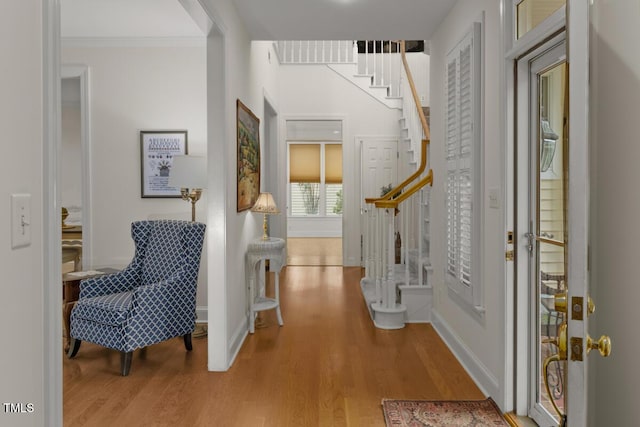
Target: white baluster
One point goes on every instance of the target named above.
(382, 58)
(366, 57)
(420, 234)
(375, 63)
(354, 51)
(378, 258)
(391, 284)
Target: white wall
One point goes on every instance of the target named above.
(615, 103)
(477, 340)
(237, 69)
(132, 89)
(21, 295)
(316, 91)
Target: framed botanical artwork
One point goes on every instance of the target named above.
(248, 157)
(157, 149)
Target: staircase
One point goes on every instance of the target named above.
(396, 287)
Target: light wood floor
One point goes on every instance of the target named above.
(314, 251)
(327, 366)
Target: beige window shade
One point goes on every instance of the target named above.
(333, 163)
(304, 163)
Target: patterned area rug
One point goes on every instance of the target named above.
(442, 413)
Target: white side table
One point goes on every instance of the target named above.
(271, 249)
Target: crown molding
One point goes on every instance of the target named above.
(70, 42)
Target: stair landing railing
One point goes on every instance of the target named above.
(380, 218)
(377, 59)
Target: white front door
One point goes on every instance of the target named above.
(579, 343)
(553, 223)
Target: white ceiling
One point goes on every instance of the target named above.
(264, 20)
(126, 19)
(343, 19)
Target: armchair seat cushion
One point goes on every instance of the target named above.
(110, 309)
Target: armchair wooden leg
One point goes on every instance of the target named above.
(74, 346)
(125, 362)
(187, 342)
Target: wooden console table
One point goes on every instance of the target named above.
(71, 292)
(271, 249)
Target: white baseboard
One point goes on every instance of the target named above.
(240, 334)
(202, 314)
(487, 383)
(236, 341)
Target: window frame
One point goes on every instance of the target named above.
(322, 203)
(458, 165)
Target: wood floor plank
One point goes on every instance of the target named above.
(327, 366)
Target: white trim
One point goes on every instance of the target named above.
(219, 126)
(82, 71)
(508, 220)
(549, 26)
(198, 14)
(51, 256)
(482, 376)
(93, 42)
(578, 26)
(237, 339)
(202, 313)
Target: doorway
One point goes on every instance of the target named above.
(543, 94)
(315, 202)
(75, 166)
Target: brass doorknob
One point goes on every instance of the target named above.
(603, 345)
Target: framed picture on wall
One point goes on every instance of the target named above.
(157, 149)
(248, 157)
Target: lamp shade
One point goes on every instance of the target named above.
(265, 204)
(188, 172)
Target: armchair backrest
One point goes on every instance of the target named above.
(165, 248)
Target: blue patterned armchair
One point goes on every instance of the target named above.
(151, 300)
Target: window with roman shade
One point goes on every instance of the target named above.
(315, 167)
(463, 152)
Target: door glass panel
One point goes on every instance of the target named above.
(532, 12)
(550, 230)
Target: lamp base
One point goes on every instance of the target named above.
(191, 196)
(265, 236)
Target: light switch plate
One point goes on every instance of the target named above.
(494, 198)
(20, 220)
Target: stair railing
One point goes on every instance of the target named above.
(381, 211)
(302, 52)
(380, 59)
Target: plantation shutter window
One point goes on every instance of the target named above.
(463, 145)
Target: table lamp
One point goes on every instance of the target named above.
(189, 173)
(266, 206)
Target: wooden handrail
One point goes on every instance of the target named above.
(387, 198)
(393, 203)
(414, 92)
(417, 173)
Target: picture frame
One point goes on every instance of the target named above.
(248, 157)
(157, 148)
